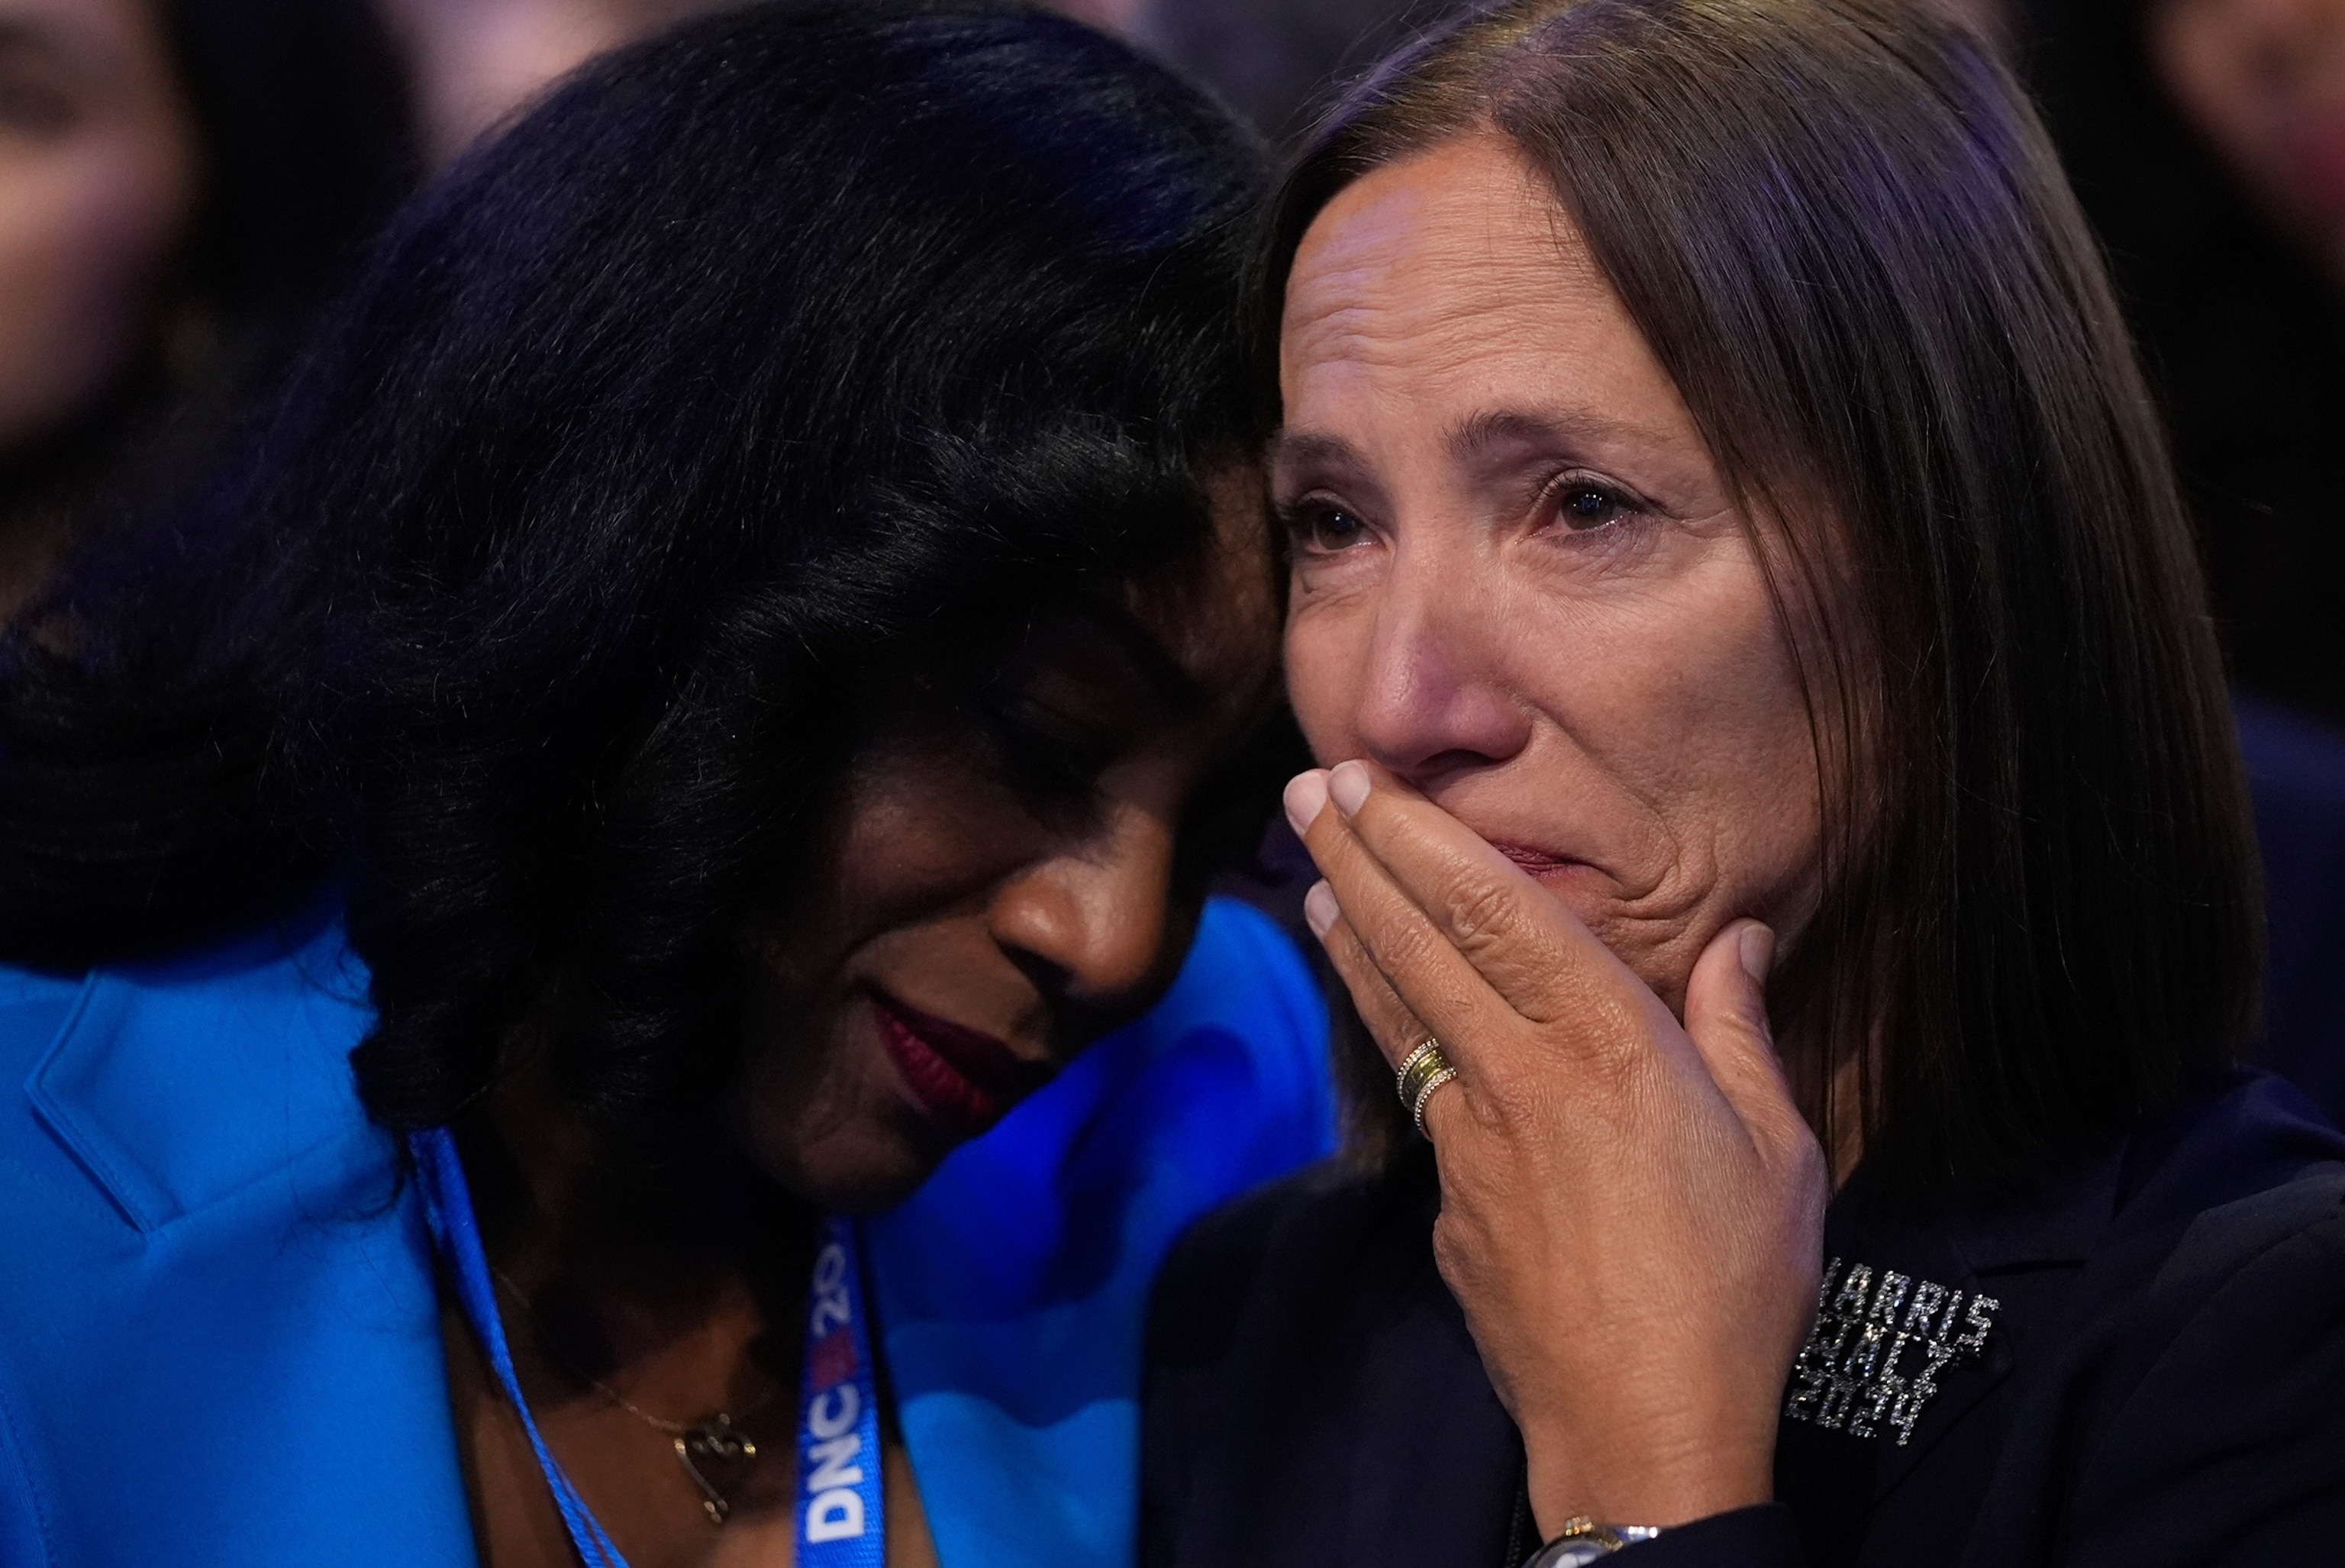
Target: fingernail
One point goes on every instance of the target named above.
(1758, 947)
(1306, 797)
(1347, 785)
(1320, 910)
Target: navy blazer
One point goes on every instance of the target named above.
(2144, 1368)
(2296, 770)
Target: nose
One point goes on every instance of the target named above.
(1431, 701)
(1090, 921)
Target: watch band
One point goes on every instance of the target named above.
(1583, 1540)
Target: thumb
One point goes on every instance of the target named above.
(1726, 1014)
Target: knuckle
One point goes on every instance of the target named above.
(1394, 1022)
(1510, 1103)
(1481, 915)
(1809, 1171)
(1397, 952)
(1452, 1251)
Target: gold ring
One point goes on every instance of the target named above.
(1426, 1070)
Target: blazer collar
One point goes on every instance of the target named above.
(176, 1084)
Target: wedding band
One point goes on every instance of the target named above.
(1426, 1070)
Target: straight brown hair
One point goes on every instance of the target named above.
(1842, 231)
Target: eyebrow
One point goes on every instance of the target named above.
(1478, 436)
(1309, 446)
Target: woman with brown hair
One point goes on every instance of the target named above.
(1785, 831)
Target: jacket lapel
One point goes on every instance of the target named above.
(248, 1274)
(1921, 1321)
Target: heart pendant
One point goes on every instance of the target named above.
(718, 1456)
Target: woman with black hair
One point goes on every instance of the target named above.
(182, 182)
(757, 610)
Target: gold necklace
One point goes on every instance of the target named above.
(712, 1450)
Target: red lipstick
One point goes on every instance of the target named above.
(964, 1080)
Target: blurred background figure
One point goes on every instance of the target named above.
(2206, 139)
(1273, 61)
(1115, 15)
(181, 183)
(477, 61)
(2263, 81)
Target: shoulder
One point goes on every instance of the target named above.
(2220, 1184)
(204, 1227)
(160, 1089)
(1013, 1285)
(1245, 975)
(2224, 1296)
(2291, 1229)
(1331, 1230)
(1226, 1078)
(2198, 1405)
(2234, 1204)
(2224, 1280)
(2296, 769)
(1312, 1393)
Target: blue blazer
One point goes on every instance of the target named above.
(219, 1327)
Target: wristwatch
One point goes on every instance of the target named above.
(1583, 1540)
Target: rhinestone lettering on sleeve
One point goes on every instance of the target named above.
(1881, 1338)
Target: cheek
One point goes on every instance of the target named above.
(920, 831)
(87, 232)
(1745, 773)
(1326, 653)
(2211, 60)
(1685, 698)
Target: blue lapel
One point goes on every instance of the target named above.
(219, 1324)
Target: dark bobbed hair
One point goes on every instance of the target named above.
(305, 144)
(1840, 229)
(803, 340)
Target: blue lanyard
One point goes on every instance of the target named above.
(448, 1206)
(842, 1520)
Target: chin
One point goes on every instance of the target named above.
(858, 1166)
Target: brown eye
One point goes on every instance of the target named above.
(32, 109)
(1583, 506)
(1324, 530)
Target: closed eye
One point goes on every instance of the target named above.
(1047, 755)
